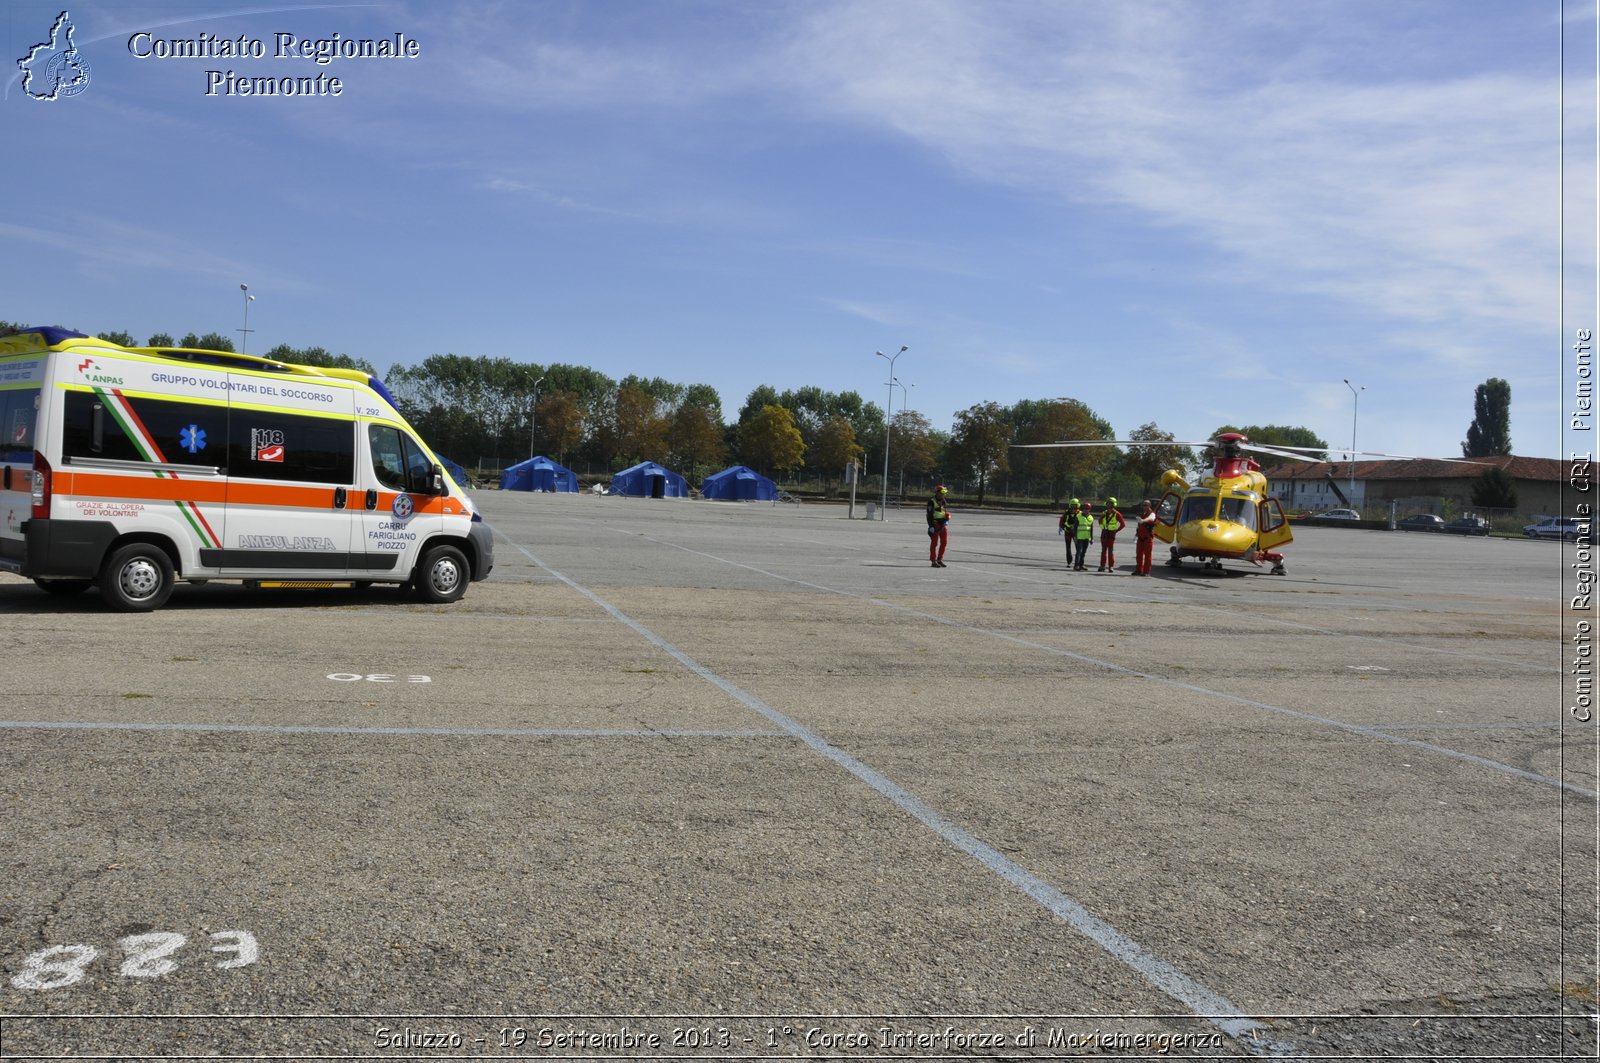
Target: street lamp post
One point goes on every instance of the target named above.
(1354, 413)
(244, 333)
(883, 506)
(533, 417)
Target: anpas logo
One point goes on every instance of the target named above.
(56, 64)
(403, 507)
(91, 371)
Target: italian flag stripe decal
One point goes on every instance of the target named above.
(146, 443)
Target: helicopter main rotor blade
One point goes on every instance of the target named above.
(1308, 452)
(1109, 443)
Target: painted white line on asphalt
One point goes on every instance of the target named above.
(1200, 999)
(448, 732)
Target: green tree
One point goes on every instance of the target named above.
(560, 422)
(1146, 464)
(319, 357)
(1079, 469)
(1274, 435)
(211, 341)
(835, 447)
(913, 444)
(636, 429)
(1494, 489)
(695, 439)
(1489, 434)
(763, 395)
(980, 443)
(770, 442)
(123, 339)
(160, 339)
(467, 405)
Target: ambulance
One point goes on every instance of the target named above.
(128, 469)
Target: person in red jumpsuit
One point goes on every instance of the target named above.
(1144, 538)
(1111, 522)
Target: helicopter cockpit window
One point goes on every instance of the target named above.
(1168, 509)
(1240, 511)
(1198, 507)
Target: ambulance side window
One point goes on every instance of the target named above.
(397, 461)
(127, 428)
(270, 445)
(17, 414)
(388, 456)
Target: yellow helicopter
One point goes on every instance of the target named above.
(1228, 515)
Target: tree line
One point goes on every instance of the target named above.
(497, 411)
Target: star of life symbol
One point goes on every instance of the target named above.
(192, 439)
(65, 72)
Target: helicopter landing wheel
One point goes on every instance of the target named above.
(1277, 570)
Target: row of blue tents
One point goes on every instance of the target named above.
(644, 480)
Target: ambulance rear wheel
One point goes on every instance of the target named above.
(137, 578)
(441, 575)
(64, 587)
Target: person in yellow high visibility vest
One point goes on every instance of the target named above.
(1068, 526)
(938, 526)
(1111, 522)
(1084, 536)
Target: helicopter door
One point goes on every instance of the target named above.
(1167, 516)
(1274, 527)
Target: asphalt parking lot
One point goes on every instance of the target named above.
(690, 779)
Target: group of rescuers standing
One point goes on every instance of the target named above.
(1076, 527)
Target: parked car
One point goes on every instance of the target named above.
(1421, 522)
(1339, 514)
(1560, 528)
(1467, 526)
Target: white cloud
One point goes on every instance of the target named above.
(1424, 200)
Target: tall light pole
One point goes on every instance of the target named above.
(244, 333)
(1356, 412)
(533, 417)
(883, 506)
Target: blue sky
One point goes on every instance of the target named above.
(1181, 212)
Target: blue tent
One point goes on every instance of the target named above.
(649, 480)
(739, 484)
(539, 474)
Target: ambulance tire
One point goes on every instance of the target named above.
(442, 575)
(64, 587)
(137, 578)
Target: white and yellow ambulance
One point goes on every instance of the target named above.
(131, 468)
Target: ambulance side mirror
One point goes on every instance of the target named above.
(436, 481)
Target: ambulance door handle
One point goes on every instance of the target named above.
(372, 498)
(339, 498)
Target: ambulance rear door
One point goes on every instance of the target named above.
(20, 381)
(291, 464)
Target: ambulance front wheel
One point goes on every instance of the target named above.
(442, 575)
(137, 578)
